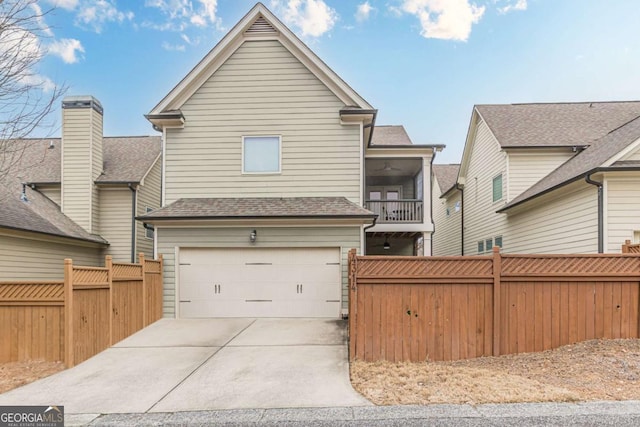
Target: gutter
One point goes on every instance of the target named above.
(588, 179)
(134, 201)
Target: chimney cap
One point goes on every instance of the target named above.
(83, 101)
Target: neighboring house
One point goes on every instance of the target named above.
(447, 210)
(76, 196)
(272, 171)
(551, 178)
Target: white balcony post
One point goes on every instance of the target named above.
(426, 190)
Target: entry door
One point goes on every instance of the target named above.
(385, 208)
(265, 282)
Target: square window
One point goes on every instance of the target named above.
(498, 241)
(488, 245)
(497, 188)
(481, 247)
(261, 154)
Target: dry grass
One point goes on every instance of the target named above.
(591, 370)
(16, 374)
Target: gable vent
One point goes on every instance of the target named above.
(261, 26)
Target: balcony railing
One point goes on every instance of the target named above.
(396, 211)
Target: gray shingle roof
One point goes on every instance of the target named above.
(560, 124)
(390, 135)
(447, 175)
(125, 159)
(38, 214)
(585, 161)
(260, 207)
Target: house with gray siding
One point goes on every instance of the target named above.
(273, 169)
(549, 178)
(76, 196)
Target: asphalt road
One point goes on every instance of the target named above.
(521, 415)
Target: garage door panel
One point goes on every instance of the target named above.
(264, 282)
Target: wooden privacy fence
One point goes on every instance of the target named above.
(450, 308)
(629, 248)
(72, 320)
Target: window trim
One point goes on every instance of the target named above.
(501, 176)
(481, 246)
(279, 171)
(148, 209)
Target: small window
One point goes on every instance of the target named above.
(488, 245)
(448, 212)
(497, 188)
(481, 247)
(498, 241)
(261, 154)
(148, 232)
(457, 206)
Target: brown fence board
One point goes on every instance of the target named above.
(449, 308)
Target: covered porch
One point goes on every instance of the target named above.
(395, 243)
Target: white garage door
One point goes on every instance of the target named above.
(273, 282)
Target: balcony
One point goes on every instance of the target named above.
(403, 211)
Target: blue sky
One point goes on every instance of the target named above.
(421, 63)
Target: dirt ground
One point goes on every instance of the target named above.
(591, 370)
(15, 374)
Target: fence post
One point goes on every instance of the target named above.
(145, 294)
(352, 269)
(68, 313)
(625, 247)
(497, 293)
(108, 263)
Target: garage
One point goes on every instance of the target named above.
(259, 282)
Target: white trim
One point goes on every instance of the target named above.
(279, 171)
(362, 172)
(155, 243)
(163, 178)
(605, 215)
(151, 167)
(176, 275)
(622, 153)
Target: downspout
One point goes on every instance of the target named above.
(461, 189)
(433, 224)
(133, 221)
(588, 179)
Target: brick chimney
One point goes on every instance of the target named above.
(81, 159)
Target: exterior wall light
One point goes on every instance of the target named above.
(253, 236)
(386, 246)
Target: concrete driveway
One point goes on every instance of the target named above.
(206, 364)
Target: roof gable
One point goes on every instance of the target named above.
(258, 23)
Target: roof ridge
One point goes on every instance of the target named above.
(558, 103)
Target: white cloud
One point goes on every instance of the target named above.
(67, 49)
(173, 47)
(65, 4)
(37, 10)
(518, 5)
(182, 13)
(45, 83)
(444, 19)
(312, 17)
(363, 11)
(96, 13)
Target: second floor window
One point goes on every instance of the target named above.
(261, 154)
(497, 188)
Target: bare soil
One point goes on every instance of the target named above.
(16, 374)
(590, 370)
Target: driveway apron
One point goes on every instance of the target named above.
(206, 364)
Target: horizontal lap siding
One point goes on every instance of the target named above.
(263, 90)
(480, 220)
(170, 238)
(565, 221)
(447, 238)
(526, 167)
(623, 211)
(115, 222)
(26, 259)
(148, 196)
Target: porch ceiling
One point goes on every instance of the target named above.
(392, 167)
(394, 235)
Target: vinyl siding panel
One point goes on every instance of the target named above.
(115, 225)
(623, 211)
(447, 237)
(526, 167)
(27, 259)
(480, 218)
(148, 196)
(170, 238)
(635, 155)
(263, 90)
(564, 221)
(81, 165)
